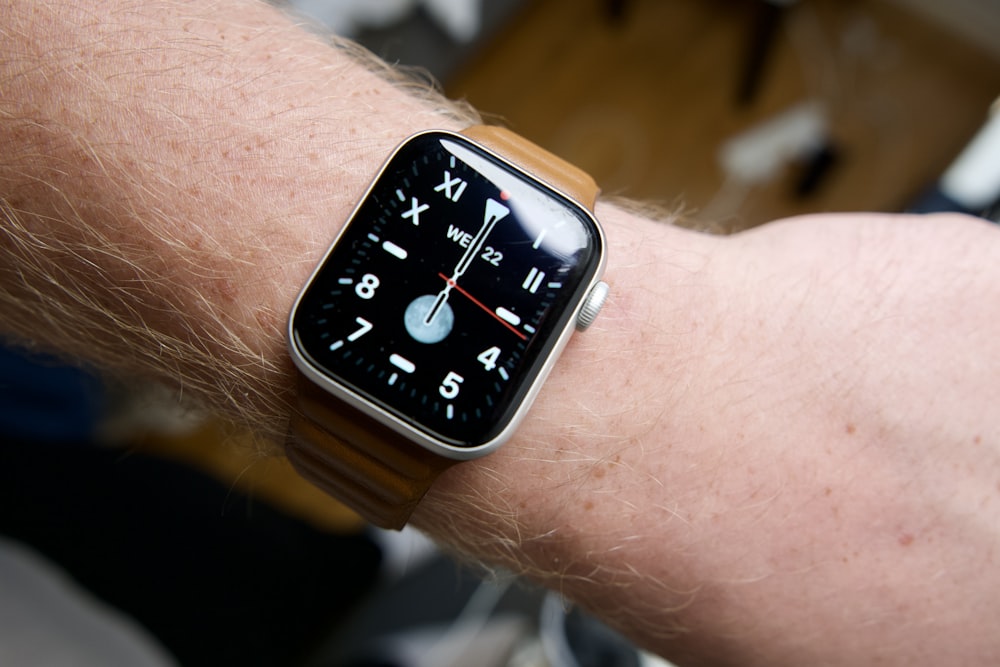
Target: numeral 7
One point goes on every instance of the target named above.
(366, 326)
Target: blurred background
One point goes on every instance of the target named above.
(735, 112)
(135, 532)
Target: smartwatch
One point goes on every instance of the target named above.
(427, 329)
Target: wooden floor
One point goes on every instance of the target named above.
(646, 102)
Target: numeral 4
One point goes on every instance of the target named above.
(488, 358)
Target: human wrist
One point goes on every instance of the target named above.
(219, 203)
(181, 247)
(581, 441)
(589, 496)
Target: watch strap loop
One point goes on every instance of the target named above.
(371, 468)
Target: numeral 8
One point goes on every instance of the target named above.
(366, 288)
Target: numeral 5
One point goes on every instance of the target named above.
(450, 386)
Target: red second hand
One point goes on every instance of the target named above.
(452, 283)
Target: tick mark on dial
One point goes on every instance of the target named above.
(508, 316)
(402, 363)
(395, 250)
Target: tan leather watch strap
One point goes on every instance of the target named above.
(363, 463)
(538, 162)
(370, 468)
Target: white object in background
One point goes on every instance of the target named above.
(347, 17)
(403, 551)
(47, 619)
(461, 19)
(756, 155)
(973, 179)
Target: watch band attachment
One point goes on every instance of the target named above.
(353, 457)
(538, 162)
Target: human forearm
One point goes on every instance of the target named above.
(165, 201)
(801, 470)
(179, 166)
(170, 181)
(707, 461)
(173, 173)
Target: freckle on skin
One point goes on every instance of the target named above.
(851, 429)
(227, 290)
(905, 540)
(587, 506)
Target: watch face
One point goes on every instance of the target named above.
(446, 294)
